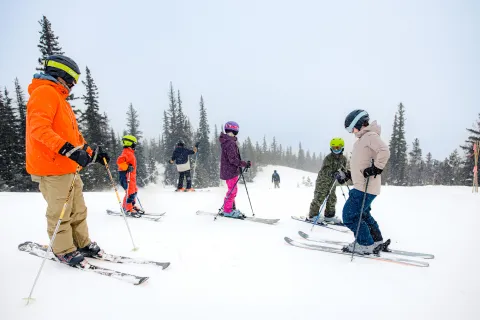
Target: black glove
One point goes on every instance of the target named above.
(130, 168)
(100, 156)
(79, 155)
(371, 171)
(197, 144)
(249, 164)
(341, 177)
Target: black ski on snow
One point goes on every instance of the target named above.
(150, 217)
(322, 224)
(393, 259)
(38, 250)
(253, 219)
(341, 243)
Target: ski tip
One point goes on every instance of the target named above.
(141, 280)
(303, 234)
(165, 265)
(288, 240)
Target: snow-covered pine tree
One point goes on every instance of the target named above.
(95, 130)
(416, 166)
(11, 151)
(133, 128)
(48, 44)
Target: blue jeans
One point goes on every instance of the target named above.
(369, 231)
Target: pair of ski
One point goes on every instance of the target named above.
(146, 216)
(394, 256)
(252, 219)
(39, 250)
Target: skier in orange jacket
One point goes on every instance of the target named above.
(127, 171)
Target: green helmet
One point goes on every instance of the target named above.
(129, 141)
(336, 145)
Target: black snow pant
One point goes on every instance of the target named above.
(184, 174)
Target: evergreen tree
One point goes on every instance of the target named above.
(171, 135)
(151, 163)
(401, 152)
(274, 152)
(48, 44)
(449, 170)
(265, 154)
(133, 128)
(247, 154)
(391, 167)
(474, 135)
(21, 108)
(416, 166)
(215, 150)
(429, 174)
(95, 130)
(204, 165)
(301, 158)
(396, 170)
(11, 152)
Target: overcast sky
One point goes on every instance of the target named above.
(289, 69)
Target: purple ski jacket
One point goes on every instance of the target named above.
(230, 161)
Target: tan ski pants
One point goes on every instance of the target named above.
(73, 231)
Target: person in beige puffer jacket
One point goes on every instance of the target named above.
(369, 157)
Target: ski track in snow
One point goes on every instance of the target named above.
(231, 269)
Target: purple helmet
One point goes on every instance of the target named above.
(232, 126)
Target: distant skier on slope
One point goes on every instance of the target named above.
(276, 179)
(368, 147)
(127, 173)
(230, 166)
(55, 149)
(332, 163)
(180, 157)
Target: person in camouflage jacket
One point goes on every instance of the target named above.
(332, 163)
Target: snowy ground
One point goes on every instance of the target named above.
(231, 269)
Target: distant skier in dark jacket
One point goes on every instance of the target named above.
(180, 158)
(276, 179)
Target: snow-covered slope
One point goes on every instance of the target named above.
(229, 269)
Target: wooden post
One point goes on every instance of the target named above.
(476, 150)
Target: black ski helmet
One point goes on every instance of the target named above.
(356, 119)
(62, 67)
(180, 144)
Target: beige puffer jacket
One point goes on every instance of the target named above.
(368, 146)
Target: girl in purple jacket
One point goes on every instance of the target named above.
(230, 166)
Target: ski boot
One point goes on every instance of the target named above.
(180, 190)
(359, 249)
(92, 250)
(189, 190)
(133, 213)
(236, 214)
(332, 220)
(138, 209)
(73, 259)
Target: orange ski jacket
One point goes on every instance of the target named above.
(128, 158)
(50, 123)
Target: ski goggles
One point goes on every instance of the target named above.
(336, 148)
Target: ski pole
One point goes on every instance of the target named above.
(140, 203)
(341, 188)
(361, 213)
(228, 196)
(245, 183)
(323, 204)
(50, 246)
(120, 203)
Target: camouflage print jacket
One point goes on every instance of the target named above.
(331, 164)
